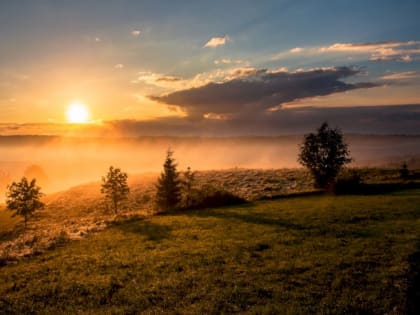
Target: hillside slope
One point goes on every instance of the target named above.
(302, 255)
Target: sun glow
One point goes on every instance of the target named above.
(77, 113)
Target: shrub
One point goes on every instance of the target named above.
(349, 181)
(210, 197)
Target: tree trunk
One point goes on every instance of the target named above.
(115, 206)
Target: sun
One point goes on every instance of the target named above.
(77, 113)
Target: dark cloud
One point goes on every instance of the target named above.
(391, 119)
(261, 90)
(168, 79)
(395, 119)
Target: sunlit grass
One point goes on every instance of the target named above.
(306, 255)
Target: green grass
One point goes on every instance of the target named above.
(302, 255)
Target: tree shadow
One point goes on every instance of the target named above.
(152, 231)
(413, 289)
(248, 218)
(294, 195)
(382, 188)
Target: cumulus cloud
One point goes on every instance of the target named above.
(119, 66)
(217, 41)
(254, 91)
(136, 33)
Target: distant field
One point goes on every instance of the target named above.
(300, 255)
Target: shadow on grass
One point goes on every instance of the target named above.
(294, 195)
(247, 218)
(380, 188)
(152, 231)
(413, 290)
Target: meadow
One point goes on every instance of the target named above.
(301, 252)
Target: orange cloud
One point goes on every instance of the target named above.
(217, 41)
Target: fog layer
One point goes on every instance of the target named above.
(60, 162)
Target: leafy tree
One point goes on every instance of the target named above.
(168, 194)
(188, 185)
(324, 153)
(115, 187)
(24, 198)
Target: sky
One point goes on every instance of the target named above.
(218, 68)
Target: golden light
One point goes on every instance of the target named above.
(77, 113)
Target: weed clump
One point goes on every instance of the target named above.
(349, 181)
(209, 196)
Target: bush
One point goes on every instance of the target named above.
(349, 181)
(209, 196)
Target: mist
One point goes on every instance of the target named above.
(61, 162)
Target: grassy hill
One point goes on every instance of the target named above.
(300, 255)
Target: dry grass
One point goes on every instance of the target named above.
(79, 211)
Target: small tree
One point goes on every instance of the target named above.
(24, 198)
(168, 194)
(404, 172)
(115, 187)
(324, 153)
(187, 185)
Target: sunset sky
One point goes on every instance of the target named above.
(210, 67)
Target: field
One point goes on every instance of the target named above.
(318, 254)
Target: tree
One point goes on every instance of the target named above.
(404, 172)
(115, 187)
(324, 153)
(187, 185)
(24, 198)
(168, 194)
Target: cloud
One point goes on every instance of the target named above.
(380, 51)
(375, 51)
(254, 91)
(390, 119)
(296, 50)
(119, 66)
(136, 33)
(217, 41)
(401, 75)
(168, 78)
(160, 80)
(227, 61)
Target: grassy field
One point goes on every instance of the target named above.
(7, 222)
(300, 255)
